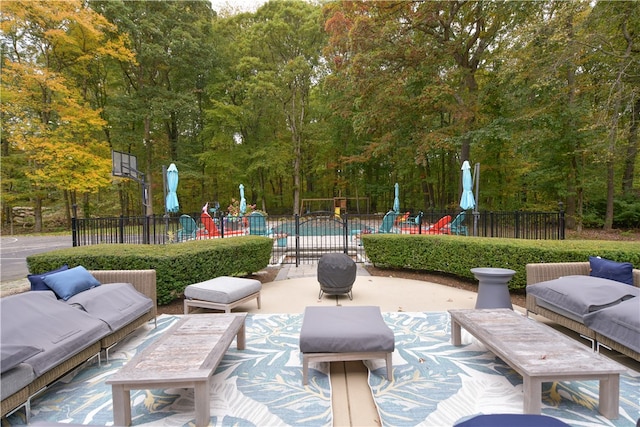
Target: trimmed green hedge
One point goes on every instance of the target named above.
(457, 255)
(177, 266)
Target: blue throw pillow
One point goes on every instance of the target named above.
(607, 269)
(68, 283)
(37, 280)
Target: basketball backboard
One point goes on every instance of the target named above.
(125, 165)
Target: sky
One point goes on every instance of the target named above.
(239, 5)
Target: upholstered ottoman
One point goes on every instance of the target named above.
(336, 274)
(221, 293)
(333, 334)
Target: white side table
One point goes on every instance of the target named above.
(493, 288)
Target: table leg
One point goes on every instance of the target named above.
(532, 390)
(305, 369)
(241, 338)
(389, 366)
(202, 404)
(456, 338)
(121, 405)
(609, 393)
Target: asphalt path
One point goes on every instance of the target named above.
(14, 251)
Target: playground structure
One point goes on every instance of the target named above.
(337, 205)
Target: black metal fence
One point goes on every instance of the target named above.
(303, 239)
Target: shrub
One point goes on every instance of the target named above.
(177, 266)
(457, 255)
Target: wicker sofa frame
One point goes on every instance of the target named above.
(541, 272)
(145, 282)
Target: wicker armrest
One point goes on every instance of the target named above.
(542, 272)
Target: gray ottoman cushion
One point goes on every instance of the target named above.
(345, 330)
(224, 290)
(336, 273)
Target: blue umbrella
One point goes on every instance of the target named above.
(243, 201)
(467, 201)
(171, 202)
(396, 199)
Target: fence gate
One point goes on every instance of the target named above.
(303, 240)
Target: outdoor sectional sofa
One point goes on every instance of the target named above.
(604, 311)
(43, 336)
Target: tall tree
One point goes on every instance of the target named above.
(291, 36)
(159, 108)
(265, 102)
(410, 70)
(550, 105)
(612, 32)
(47, 120)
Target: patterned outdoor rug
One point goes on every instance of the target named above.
(258, 386)
(436, 384)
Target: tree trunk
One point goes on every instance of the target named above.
(172, 135)
(573, 220)
(148, 209)
(618, 93)
(67, 207)
(632, 150)
(37, 213)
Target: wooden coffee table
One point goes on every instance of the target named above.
(185, 356)
(540, 354)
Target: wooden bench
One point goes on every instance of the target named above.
(540, 354)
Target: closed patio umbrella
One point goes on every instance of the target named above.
(467, 201)
(171, 201)
(396, 199)
(243, 201)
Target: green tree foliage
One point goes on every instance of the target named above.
(300, 100)
(408, 74)
(263, 110)
(49, 127)
(612, 34)
(157, 106)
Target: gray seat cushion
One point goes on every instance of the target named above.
(15, 379)
(116, 304)
(14, 354)
(580, 295)
(224, 290)
(40, 320)
(620, 323)
(345, 330)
